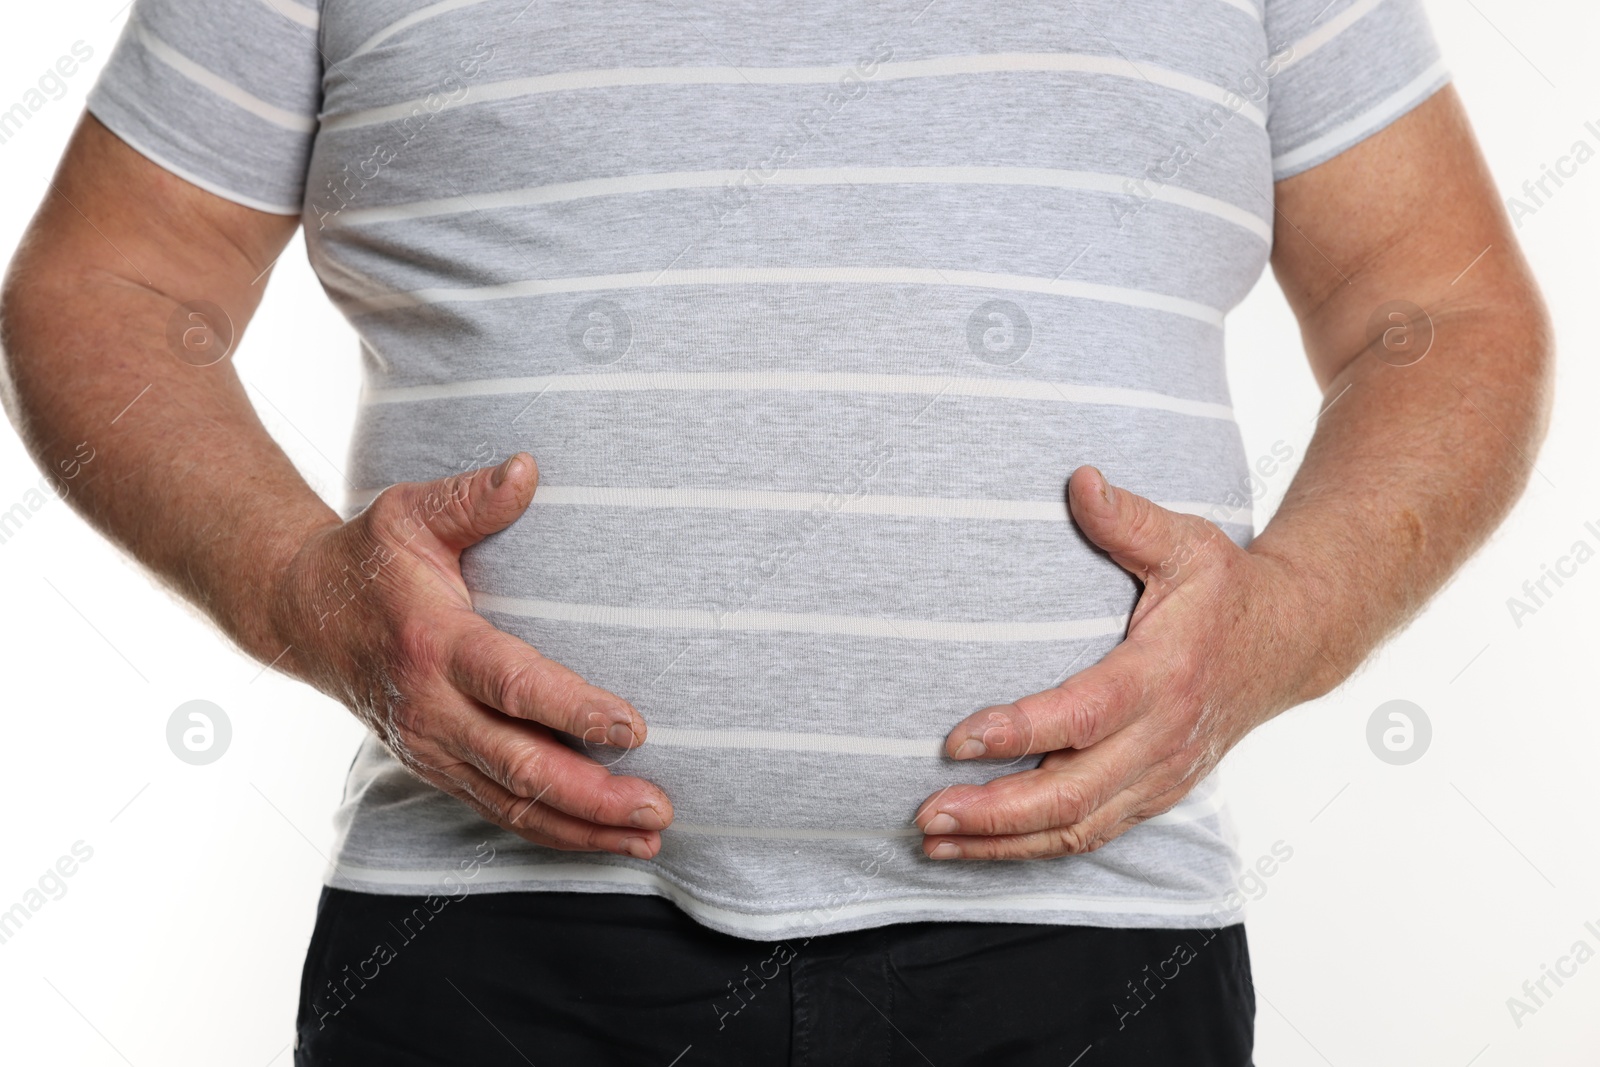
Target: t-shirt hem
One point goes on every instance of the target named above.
(827, 915)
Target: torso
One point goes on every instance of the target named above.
(805, 351)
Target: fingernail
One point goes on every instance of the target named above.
(646, 818)
(621, 735)
(502, 472)
(944, 850)
(942, 823)
(971, 748)
(637, 847)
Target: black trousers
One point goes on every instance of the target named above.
(553, 979)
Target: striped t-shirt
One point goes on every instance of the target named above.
(807, 311)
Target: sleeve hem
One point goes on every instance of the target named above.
(1347, 135)
(187, 175)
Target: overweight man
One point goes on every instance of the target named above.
(800, 570)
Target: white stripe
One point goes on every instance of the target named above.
(633, 184)
(920, 507)
(1246, 6)
(220, 86)
(929, 507)
(806, 382)
(292, 11)
(762, 500)
(944, 66)
(784, 741)
(1328, 31)
(645, 279)
(433, 10)
(1352, 131)
(556, 874)
(647, 618)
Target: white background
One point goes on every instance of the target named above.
(1418, 898)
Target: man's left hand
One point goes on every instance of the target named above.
(1216, 645)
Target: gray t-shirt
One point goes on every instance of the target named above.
(806, 311)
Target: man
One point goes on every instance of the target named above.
(872, 362)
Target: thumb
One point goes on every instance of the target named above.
(1144, 538)
(464, 508)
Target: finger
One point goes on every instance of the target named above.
(1144, 538)
(460, 510)
(539, 823)
(1105, 824)
(509, 675)
(1066, 789)
(1089, 706)
(526, 760)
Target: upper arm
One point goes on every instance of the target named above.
(185, 178)
(111, 214)
(1410, 214)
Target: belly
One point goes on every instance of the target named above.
(799, 672)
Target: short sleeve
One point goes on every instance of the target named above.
(222, 93)
(1346, 69)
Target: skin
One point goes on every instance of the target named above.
(1409, 470)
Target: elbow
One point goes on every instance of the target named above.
(1538, 367)
(12, 300)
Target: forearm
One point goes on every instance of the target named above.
(183, 476)
(1410, 469)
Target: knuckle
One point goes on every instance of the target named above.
(418, 646)
(515, 688)
(386, 508)
(1068, 803)
(1073, 840)
(1144, 522)
(527, 816)
(563, 831)
(523, 815)
(530, 686)
(1077, 719)
(1184, 664)
(517, 765)
(406, 727)
(403, 733)
(596, 800)
(1121, 689)
(449, 500)
(1002, 732)
(392, 517)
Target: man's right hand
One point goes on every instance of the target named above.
(377, 615)
(186, 478)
